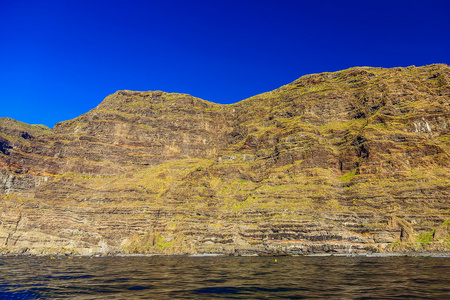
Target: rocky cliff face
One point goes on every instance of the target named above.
(344, 162)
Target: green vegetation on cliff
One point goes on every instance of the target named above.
(343, 162)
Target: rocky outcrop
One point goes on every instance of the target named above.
(345, 162)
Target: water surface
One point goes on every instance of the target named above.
(225, 277)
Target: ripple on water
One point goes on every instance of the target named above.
(225, 277)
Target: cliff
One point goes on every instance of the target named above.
(345, 162)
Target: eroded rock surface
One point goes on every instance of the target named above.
(347, 162)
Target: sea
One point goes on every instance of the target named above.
(203, 277)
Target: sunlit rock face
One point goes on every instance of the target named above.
(345, 162)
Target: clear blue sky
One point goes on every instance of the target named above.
(60, 58)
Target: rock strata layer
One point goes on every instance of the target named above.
(355, 161)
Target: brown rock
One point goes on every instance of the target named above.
(442, 232)
(342, 162)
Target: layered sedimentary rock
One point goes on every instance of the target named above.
(345, 162)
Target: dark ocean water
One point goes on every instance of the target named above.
(225, 277)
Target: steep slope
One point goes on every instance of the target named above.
(351, 161)
(126, 131)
